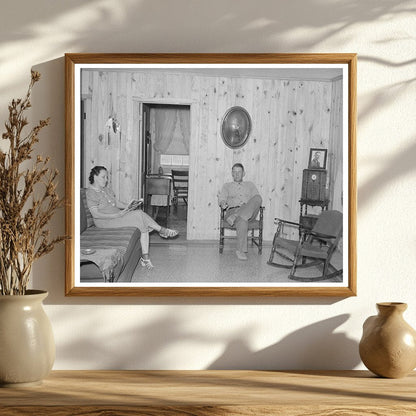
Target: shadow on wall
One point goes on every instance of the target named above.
(97, 19)
(146, 346)
(382, 97)
(314, 347)
(152, 345)
(391, 170)
(103, 26)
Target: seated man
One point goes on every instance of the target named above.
(242, 202)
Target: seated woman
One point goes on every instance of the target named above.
(108, 212)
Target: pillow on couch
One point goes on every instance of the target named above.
(86, 219)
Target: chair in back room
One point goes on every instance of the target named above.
(180, 180)
(158, 193)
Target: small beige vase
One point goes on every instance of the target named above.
(388, 345)
(27, 347)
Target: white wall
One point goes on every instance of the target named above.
(198, 333)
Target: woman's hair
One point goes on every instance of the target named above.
(94, 172)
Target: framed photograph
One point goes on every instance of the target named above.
(185, 174)
(317, 158)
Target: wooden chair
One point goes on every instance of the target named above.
(314, 247)
(254, 227)
(159, 188)
(180, 179)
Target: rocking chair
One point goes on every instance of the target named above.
(314, 246)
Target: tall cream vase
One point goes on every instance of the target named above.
(27, 346)
(28, 201)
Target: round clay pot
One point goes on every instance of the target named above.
(388, 345)
(27, 347)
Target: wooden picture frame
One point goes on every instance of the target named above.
(271, 87)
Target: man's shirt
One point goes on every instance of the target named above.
(236, 194)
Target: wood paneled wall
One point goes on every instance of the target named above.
(335, 152)
(288, 117)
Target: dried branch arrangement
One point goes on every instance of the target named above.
(28, 199)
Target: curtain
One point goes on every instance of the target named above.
(165, 124)
(184, 121)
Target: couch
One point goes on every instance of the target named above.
(126, 239)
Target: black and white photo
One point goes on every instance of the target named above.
(317, 159)
(192, 177)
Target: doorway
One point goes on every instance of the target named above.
(85, 132)
(165, 148)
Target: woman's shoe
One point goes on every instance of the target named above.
(168, 233)
(146, 263)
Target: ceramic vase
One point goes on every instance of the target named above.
(388, 345)
(27, 347)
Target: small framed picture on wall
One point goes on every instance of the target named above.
(317, 158)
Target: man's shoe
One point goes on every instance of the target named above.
(241, 256)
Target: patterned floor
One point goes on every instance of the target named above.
(200, 261)
(180, 260)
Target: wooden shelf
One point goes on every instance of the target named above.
(203, 393)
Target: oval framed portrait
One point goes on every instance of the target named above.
(236, 127)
